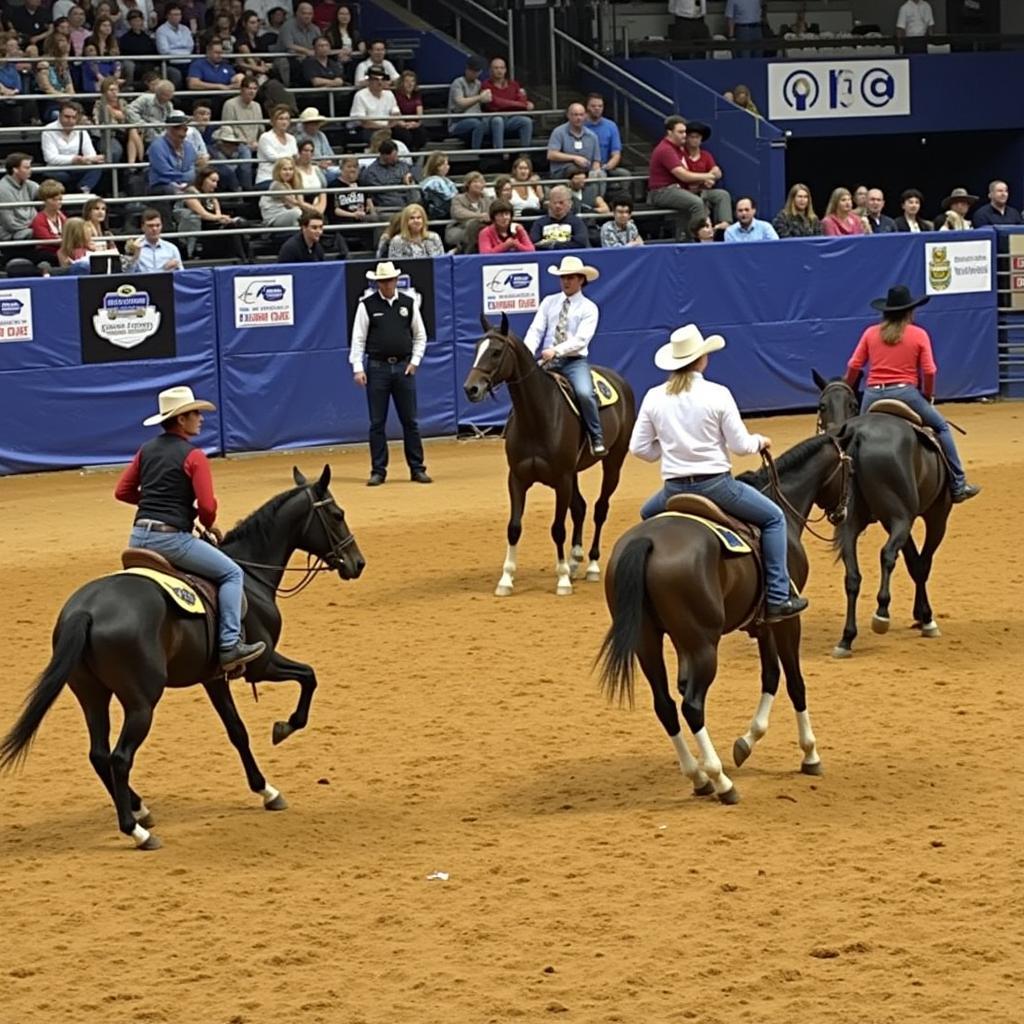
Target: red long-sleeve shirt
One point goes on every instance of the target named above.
(903, 363)
(510, 96)
(488, 240)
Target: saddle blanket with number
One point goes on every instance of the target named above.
(732, 542)
(607, 393)
(184, 596)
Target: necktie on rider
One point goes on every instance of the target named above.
(563, 323)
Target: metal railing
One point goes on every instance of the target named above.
(487, 22)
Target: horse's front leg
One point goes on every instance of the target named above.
(578, 512)
(563, 495)
(852, 580)
(280, 669)
(517, 503)
(770, 675)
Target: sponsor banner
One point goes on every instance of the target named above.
(831, 89)
(266, 300)
(126, 318)
(15, 314)
(416, 281)
(510, 287)
(952, 268)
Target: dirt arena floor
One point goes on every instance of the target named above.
(457, 732)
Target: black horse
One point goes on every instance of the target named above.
(121, 636)
(898, 477)
(669, 575)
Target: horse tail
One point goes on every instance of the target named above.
(848, 439)
(619, 647)
(69, 646)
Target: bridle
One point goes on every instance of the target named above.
(835, 385)
(834, 515)
(506, 350)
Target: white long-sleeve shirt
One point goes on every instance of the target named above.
(691, 432)
(59, 149)
(361, 328)
(579, 330)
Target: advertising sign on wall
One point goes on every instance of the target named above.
(952, 268)
(15, 314)
(126, 318)
(510, 288)
(264, 300)
(829, 89)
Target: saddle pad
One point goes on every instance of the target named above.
(606, 392)
(731, 541)
(183, 596)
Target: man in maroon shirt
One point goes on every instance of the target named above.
(507, 95)
(169, 480)
(668, 180)
(700, 162)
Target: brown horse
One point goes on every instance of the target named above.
(670, 575)
(545, 443)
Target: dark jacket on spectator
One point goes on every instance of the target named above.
(903, 225)
(568, 233)
(795, 227)
(882, 225)
(295, 250)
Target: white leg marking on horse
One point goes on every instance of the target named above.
(140, 835)
(508, 572)
(269, 794)
(712, 763)
(930, 629)
(142, 812)
(808, 744)
(688, 763)
(594, 571)
(759, 723)
(564, 585)
(575, 560)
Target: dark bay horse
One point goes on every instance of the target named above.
(545, 443)
(119, 636)
(898, 477)
(669, 575)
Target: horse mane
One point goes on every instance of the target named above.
(788, 461)
(259, 525)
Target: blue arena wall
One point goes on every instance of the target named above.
(784, 308)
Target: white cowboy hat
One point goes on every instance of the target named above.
(685, 346)
(174, 402)
(574, 265)
(384, 272)
(311, 114)
(228, 133)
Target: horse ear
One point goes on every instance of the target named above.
(504, 323)
(819, 381)
(325, 480)
(297, 476)
(485, 324)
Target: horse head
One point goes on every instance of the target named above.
(324, 533)
(494, 361)
(837, 403)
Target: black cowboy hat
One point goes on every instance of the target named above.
(898, 300)
(700, 128)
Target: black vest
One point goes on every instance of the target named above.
(166, 489)
(390, 331)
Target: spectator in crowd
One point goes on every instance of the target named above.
(377, 58)
(311, 127)
(414, 240)
(94, 213)
(152, 254)
(111, 114)
(247, 40)
(172, 158)
(151, 108)
(323, 71)
(742, 98)
(282, 204)
(274, 144)
(352, 205)
(501, 189)
(797, 218)
(911, 201)
(65, 145)
(47, 225)
(502, 235)
(743, 20)
(12, 83)
(213, 73)
(914, 23)
(573, 145)
(470, 211)
(410, 129)
(346, 43)
(17, 186)
(621, 230)
(174, 39)
(996, 212)
(377, 139)
(689, 24)
(585, 197)
(703, 232)
(391, 231)
(608, 138)
(244, 108)
(668, 179)
(878, 222)
(389, 173)
(228, 145)
(466, 96)
(747, 227)
(436, 188)
(840, 217)
(706, 174)
(31, 21)
(304, 247)
(136, 42)
(200, 215)
(310, 176)
(507, 95)
(273, 23)
(860, 201)
(559, 228)
(103, 45)
(956, 206)
(527, 191)
(200, 132)
(74, 250)
(78, 30)
(53, 77)
(374, 106)
(297, 38)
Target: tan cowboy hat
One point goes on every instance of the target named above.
(958, 194)
(174, 402)
(685, 346)
(311, 114)
(574, 265)
(228, 133)
(384, 272)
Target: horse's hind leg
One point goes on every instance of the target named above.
(611, 470)
(220, 697)
(563, 494)
(700, 666)
(787, 639)
(770, 674)
(899, 533)
(138, 719)
(578, 512)
(517, 502)
(935, 521)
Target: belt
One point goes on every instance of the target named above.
(389, 359)
(154, 526)
(883, 387)
(697, 478)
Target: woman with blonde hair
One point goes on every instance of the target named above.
(527, 192)
(437, 189)
(280, 207)
(797, 218)
(840, 217)
(414, 240)
(74, 243)
(274, 144)
(94, 213)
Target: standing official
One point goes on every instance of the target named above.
(389, 337)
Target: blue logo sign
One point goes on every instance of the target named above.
(11, 307)
(877, 87)
(125, 302)
(515, 280)
(267, 291)
(801, 90)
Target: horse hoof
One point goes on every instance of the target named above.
(730, 796)
(500, 591)
(931, 629)
(841, 652)
(879, 624)
(147, 820)
(152, 843)
(563, 591)
(740, 751)
(707, 789)
(281, 732)
(812, 769)
(593, 575)
(277, 804)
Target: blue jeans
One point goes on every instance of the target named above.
(386, 381)
(747, 504)
(518, 124)
(196, 556)
(749, 34)
(82, 180)
(472, 128)
(932, 418)
(577, 370)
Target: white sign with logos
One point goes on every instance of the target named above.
(264, 301)
(15, 314)
(951, 268)
(511, 287)
(126, 317)
(827, 89)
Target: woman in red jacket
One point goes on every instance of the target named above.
(899, 354)
(501, 235)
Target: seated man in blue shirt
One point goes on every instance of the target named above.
(747, 227)
(214, 73)
(608, 137)
(573, 145)
(996, 212)
(152, 254)
(559, 228)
